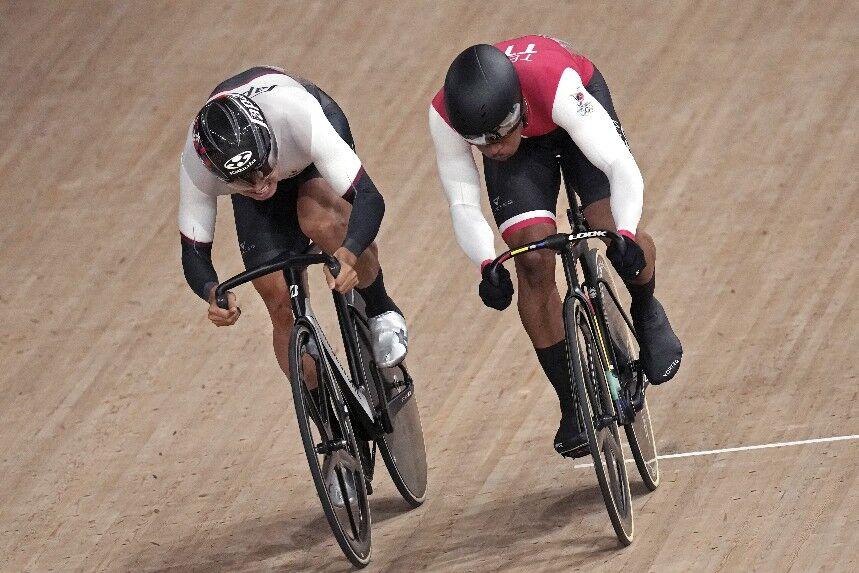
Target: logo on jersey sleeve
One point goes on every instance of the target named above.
(585, 107)
(524, 55)
(238, 161)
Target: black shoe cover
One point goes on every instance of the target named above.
(570, 442)
(661, 350)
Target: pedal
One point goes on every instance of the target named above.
(573, 453)
(330, 446)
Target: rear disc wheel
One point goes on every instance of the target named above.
(639, 432)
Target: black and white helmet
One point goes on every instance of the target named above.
(232, 138)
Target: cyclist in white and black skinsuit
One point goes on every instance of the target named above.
(301, 191)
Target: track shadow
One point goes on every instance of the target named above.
(511, 527)
(241, 546)
(384, 508)
(289, 537)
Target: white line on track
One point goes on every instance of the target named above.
(744, 448)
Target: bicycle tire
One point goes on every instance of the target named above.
(639, 433)
(355, 538)
(604, 442)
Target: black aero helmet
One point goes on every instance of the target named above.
(482, 94)
(232, 137)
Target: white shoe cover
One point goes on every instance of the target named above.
(390, 338)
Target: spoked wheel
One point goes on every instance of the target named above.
(403, 449)
(639, 433)
(597, 409)
(330, 444)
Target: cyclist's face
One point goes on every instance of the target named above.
(505, 147)
(262, 188)
(256, 184)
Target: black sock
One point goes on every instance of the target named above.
(641, 294)
(376, 297)
(554, 362)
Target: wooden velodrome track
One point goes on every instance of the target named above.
(135, 436)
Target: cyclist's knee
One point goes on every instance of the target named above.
(536, 270)
(598, 215)
(322, 215)
(323, 226)
(275, 294)
(281, 314)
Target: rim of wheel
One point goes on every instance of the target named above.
(643, 445)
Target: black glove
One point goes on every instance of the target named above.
(627, 258)
(496, 291)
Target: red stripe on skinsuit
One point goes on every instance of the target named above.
(526, 223)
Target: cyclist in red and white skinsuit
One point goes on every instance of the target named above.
(536, 110)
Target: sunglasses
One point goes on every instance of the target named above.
(511, 122)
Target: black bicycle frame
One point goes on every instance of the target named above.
(573, 247)
(595, 312)
(293, 268)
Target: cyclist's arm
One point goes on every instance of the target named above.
(461, 182)
(594, 132)
(341, 168)
(197, 212)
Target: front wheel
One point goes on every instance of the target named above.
(597, 410)
(330, 444)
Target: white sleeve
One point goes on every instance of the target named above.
(461, 182)
(336, 161)
(197, 210)
(594, 132)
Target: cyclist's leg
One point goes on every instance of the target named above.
(317, 201)
(539, 301)
(324, 217)
(268, 230)
(523, 194)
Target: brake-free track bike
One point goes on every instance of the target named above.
(608, 382)
(345, 415)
